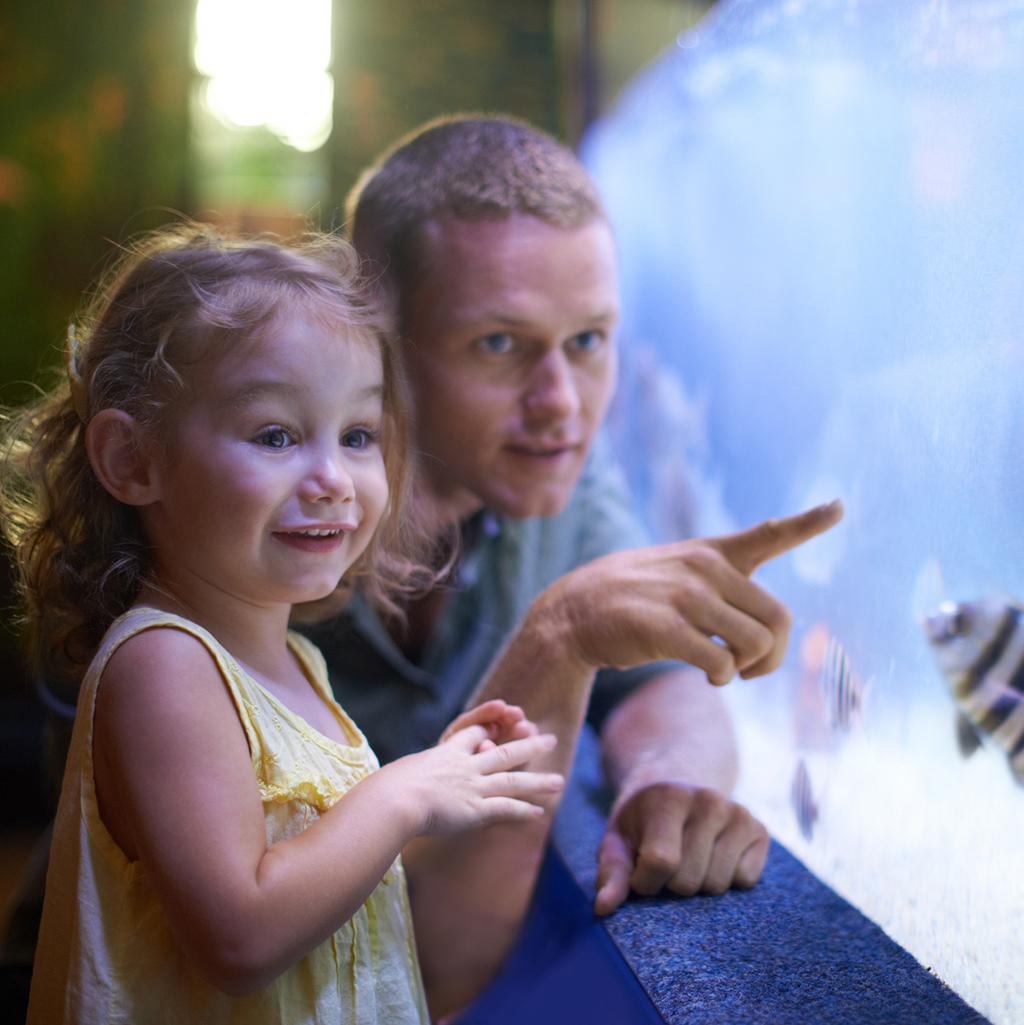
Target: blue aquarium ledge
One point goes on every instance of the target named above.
(788, 952)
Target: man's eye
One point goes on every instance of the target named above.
(274, 437)
(497, 344)
(358, 438)
(586, 341)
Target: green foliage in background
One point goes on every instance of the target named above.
(92, 141)
(398, 63)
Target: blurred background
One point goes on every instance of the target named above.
(816, 205)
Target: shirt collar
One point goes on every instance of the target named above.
(482, 527)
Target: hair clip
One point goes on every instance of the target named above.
(79, 392)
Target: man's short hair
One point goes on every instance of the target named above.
(470, 166)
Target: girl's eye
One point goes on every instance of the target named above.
(497, 344)
(358, 438)
(274, 437)
(586, 341)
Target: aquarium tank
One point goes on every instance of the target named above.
(817, 207)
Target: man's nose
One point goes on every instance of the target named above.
(552, 393)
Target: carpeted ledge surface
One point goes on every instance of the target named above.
(788, 952)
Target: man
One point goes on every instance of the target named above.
(492, 247)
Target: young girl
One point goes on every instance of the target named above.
(229, 443)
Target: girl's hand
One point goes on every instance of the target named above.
(461, 785)
(503, 722)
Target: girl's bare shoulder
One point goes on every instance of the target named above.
(164, 671)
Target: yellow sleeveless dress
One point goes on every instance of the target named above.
(106, 953)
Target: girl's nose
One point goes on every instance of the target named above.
(328, 481)
(552, 395)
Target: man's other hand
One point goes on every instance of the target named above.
(685, 839)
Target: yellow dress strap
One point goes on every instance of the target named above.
(142, 618)
(315, 668)
(313, 661)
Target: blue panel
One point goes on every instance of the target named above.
(564, 968)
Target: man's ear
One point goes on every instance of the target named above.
(120, 457)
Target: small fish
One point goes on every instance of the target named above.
(840, 687)
(801, 797)
(979, 648)
(810, 725)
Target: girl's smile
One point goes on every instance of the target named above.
(315, 539)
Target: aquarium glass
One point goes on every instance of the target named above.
(818, 205)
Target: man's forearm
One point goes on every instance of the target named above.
(674, 728)
(540, 670)
(470, 893)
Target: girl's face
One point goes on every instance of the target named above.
(274, 479)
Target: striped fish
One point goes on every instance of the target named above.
(979, 648)
(840, 688)
(801, 797)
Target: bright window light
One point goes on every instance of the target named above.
(267, 63)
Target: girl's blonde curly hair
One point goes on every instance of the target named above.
(81, 555)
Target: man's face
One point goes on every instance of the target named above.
(511, 355)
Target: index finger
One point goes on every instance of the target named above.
(749, 548)
(515, 753)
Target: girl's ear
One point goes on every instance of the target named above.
(120, 458)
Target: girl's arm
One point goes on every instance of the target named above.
(177, 791)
